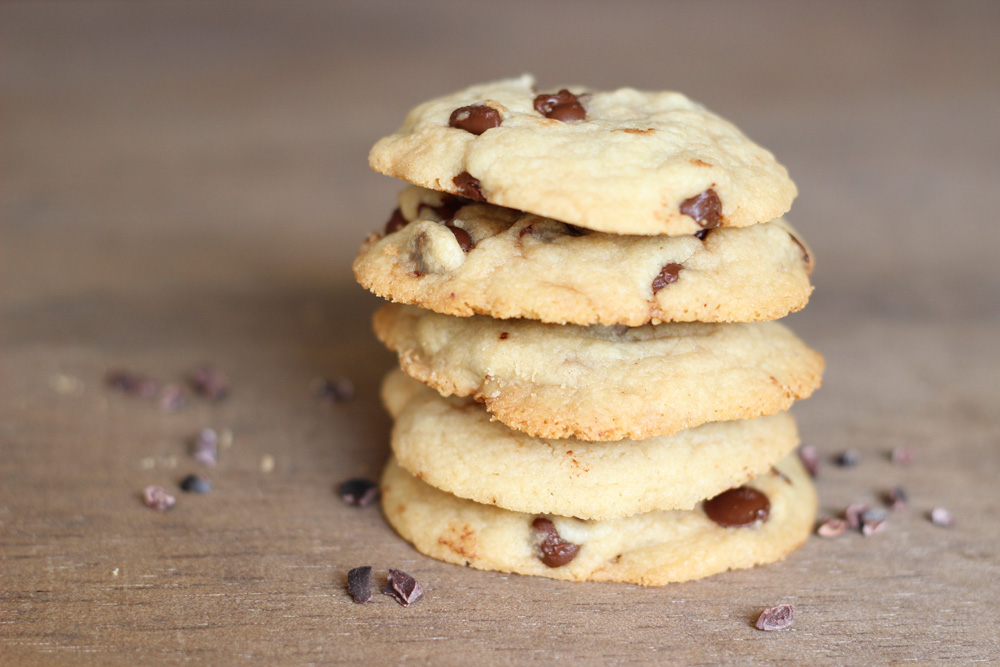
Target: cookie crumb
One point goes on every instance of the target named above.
(359, 584)
(157, 498)
(205, 447)
(266, 463)
(358, 492)
(776, 618)
(942, 517)
(831, 527)
(67, 385)
(402, 587)
(114, 572)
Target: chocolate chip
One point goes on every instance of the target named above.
(475, 119)
(133, 384)
(195, 484)
(563, 106)
(396, 222)
(703, 234)
(667, 275)
(555, 551)
(157, 498)
(776, 618)
(462, 236)
(831, 527)
(810, 459)
(405, 589)
(448, 207)
(205, 447)
(848, 458)
(706, 209)
(338, 390)
(359, 584)
(210, 381)
(742, 506)
(468, 185)
(358, 492)
(942, 517)
(504, 335)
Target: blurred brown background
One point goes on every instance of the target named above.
(187, 182)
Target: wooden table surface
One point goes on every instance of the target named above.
(187, 183)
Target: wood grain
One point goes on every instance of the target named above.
(186, 182)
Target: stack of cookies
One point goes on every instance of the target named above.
(593, 387)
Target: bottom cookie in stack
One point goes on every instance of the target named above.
(759, 522)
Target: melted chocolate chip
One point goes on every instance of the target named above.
(563, 106)
(475, 119)
(706, 209)
(742, 506)
(359, 584)
(468, 185)
(462, 236)
(448, 207)
(667, 275)
(396, 222)
(504, 335)
(555, 551)
(701, 235)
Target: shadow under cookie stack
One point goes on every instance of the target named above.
(593, 387)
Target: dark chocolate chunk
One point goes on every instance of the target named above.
(133, 384)
(209, 381)
(555, 551)
(195, 484)
(810, 459)
(475, 119)
(462, 236)
(776, 618)
(742, 506)
(706, 209)
(157, 498)
(205, 447)
(396, 222)
(359, 584)
(358, 492)
(668, 274)
(563, 106)
(405, 589)
(338, 390)
(848, 458)
(468, 185)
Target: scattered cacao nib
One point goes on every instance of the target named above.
(668, 274)
(778, 473)
(831, 527)
(468, 185)
(475, 119)
(195, 484)
(462, 236)
(172, 398)
(338, 390)
(942, 517)
(776, 618)
(157, 498)
(396, 222)
(555, 551)
(405, 589)
(873, 520)
(358, 492)
(896, 499)
(563, 106)
(742, 506)
(848, 458)
(205, 447)
(903, 455)
(359, 584)
(810, 459)
(209, 381)
(852, 514)
(706, 209)
(133, 384)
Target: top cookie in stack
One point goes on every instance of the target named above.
(643, 235)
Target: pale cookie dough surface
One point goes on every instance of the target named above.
(521, 265)
(651, 549)
(451, 444)
(604, 383)
(626, 168)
